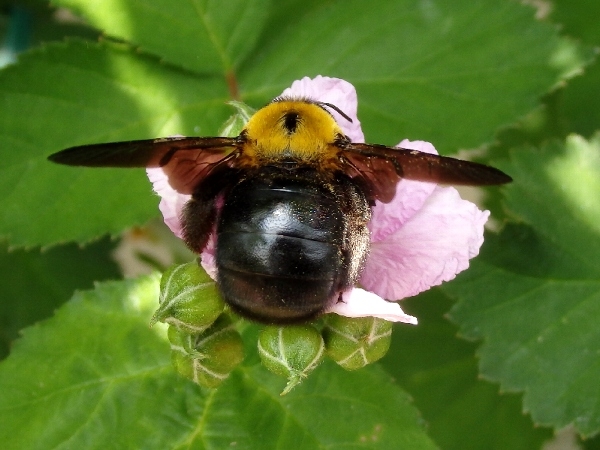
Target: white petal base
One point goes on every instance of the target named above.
(360, 303)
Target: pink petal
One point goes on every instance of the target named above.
(336, 91)
(422, 146)
(207, 257)
(171, 202)
(431, 247)
(360, 303)
(171, 205)
(410, 196)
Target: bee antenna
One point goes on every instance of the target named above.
(336, 109)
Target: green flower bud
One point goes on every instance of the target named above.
(189, 298)
(355, 342)
(207, 358)
(291, 351)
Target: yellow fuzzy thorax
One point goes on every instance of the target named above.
(312, 140)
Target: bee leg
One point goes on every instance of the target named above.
(200, 212)
(198, 217)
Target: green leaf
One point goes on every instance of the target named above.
(440, 372)
(556, 190)
(578, 18)
(96, 376)
(202, 35)
(533, 295)
(89, 93)
(34, 283)
(92, 365)
(591, 444)
(331, 408)
(579, 102)
(447, 72)
(451, 74)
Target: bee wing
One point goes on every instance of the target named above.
(382, 167)
(185, 160)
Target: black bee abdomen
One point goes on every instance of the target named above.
(283, 245)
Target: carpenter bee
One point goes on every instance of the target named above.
(290, 196)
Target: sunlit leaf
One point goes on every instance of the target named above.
(204, 36)
(89, 94)
(96, 376)
(533, 296)
(450, 74)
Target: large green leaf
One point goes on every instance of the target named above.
(579, 102)
(449, 75)
(578, 18)
(88, 93)
(206, 36)
(96, 376)
(34, 283)
(440, 372)
(533, 295)
(447, 72)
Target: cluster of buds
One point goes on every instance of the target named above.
(295, 351)
(206, 346)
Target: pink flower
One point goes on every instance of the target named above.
(171, 202)
(423, 237)
(335, 91)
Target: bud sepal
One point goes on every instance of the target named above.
(355, 342)
(209, 357)
(291, 352)
(189, 298)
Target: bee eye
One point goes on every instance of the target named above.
(290, 122)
